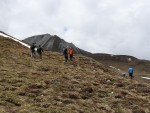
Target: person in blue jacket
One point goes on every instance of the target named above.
(130, 71)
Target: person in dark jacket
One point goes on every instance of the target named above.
(70, 52)
(130, 71)
(32, 49)
(65, 52)
(39, 51)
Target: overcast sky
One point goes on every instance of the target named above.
(98, 26)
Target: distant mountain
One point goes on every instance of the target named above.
(123, 58)
(121, 62)
(52, 43)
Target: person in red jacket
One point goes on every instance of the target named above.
(70, 52)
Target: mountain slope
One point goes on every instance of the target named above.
(50, 86)
(122, 62)
(15, 39)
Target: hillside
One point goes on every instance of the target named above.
(123, 62)
(52, 86)
(55, 43)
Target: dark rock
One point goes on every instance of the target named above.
(52, 43)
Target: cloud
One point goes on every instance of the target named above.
(98, 26)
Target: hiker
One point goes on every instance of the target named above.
(70, 52)
(65, 52)
(32, 48)
(39, 51)
(130, 71)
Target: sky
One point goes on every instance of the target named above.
(119, 27)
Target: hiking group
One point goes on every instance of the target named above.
(68, 52)
(39, 51)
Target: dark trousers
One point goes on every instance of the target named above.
(66, 57)
(131, 75)
(40, 55)
(71, 57)
(32, 54)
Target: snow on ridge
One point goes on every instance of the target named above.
(146, 78)
(114, 68)
(24, 44)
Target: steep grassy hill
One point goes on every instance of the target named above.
(51, 86)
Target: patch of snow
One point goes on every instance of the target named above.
(129, 59)
(111, 66)
(146, 78)
(3, 35)
(114, 68)
(24, 44)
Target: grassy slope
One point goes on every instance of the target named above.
(50, 86)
